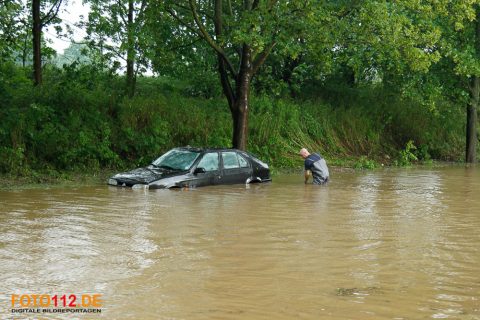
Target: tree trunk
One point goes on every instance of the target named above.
(240, 123)
(24, 52)
(471, 148)
(242, 98)
(238, 100)
(130, 52)
(37, 35)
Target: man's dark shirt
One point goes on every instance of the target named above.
(318, 166)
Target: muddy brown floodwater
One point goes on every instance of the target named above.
(387, 244)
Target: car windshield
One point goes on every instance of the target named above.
(177, 160)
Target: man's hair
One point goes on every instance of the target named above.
(303, 150)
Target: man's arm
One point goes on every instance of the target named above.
(307, 175)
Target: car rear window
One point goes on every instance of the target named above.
(243, 162)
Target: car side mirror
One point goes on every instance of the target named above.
(199, 170)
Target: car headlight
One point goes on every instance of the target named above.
(112, 182)
(140, 186)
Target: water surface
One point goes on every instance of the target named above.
(387, 244)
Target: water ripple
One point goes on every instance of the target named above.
(391, 244)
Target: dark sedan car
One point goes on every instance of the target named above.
(193, 167)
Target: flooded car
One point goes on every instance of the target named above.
(193, 167)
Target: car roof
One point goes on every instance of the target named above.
(215, 149)
(208, 149)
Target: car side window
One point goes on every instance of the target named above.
(209, 162)
(230, 160)
(243, 162)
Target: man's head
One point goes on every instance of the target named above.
(304, 153)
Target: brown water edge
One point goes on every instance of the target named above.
(67, 179)
(71, 179)
(383, 244)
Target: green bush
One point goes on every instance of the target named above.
(407, 155)
(12, 160)
(80, 119)
(365, 163)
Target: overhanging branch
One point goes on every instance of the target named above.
(52, 13)
(261, 57)
(209, 39)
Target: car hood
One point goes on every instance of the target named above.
(145, 175)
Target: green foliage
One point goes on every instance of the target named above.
(8, 12)
(12, 160)
(357, 81)
(80, 120)
(143, 132)
(365, 163)
(407, 155)
(49, 126)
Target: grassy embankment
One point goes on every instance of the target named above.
(80, 124)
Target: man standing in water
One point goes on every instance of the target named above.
(315, 165)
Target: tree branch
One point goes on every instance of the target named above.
(218, 22)
(143, 6)
(123, 12)
(184, 23)
(188, 9)
(185, 45)
(208, 38)
(51, 14)
(114, 50)
(261, 57)
(226, 86)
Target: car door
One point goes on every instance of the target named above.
(211, 163)
(236, 169)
